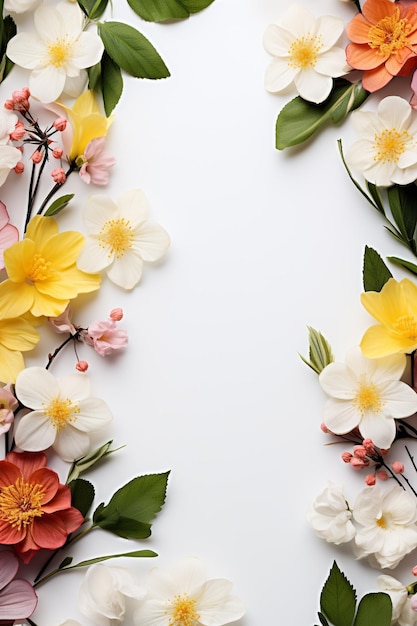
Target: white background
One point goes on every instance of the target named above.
(211, 386)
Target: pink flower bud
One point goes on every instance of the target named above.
(414, 570)
(324, 429)
(19, 167)
(58, 175)
(382, 475)
(358, 464)
(116, 315)
(19, 132)
(370, 480)
(60, 123)
(37, 156)
(369, 446)
(82, 366)
(346, 457)
(359, 452)
(9, 105)
(57, 152)
(397, 467)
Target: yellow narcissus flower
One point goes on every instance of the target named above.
(395, 308)
(17, 335)
(42, 275)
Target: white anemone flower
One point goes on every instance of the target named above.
(304, 54)
(402, 612)
(389, 525)
(386, 152)
(59, 49)
(120, 237)
(185, 597)
(331, 517)
(367, 394)
(64, 413)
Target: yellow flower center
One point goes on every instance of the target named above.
(406, 326)
(383, 521)
(20, 503)
(367, 398)
(39, 269)
(117, 235)
(59, 52)
(390, 145)
(183, 612)
(304, 52)
(389, 34)
(61, 412)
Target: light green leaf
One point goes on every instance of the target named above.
(98, 559)
(338, 599)
(375, 609)
(161, 10)
(58, 205)
(131, 51)
(375, 272)
(299, 119)
(320, 353)
(411, 267)
(89, 460)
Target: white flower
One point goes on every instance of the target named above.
(330, 515)
(8, 121)
(58, 50)
(386, 152)
(367, 393)
(304, 53)
(63, 415)
(389, 525)
(120, 238)
(19, 6)
(185, 597)
(9, 158)
(103, 594)
(402, 613)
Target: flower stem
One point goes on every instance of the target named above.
(55, 188)
(51, 357)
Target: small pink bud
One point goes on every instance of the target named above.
(369, 446)
(36, 156)
(9, 105)
(359, 452)
(81, 366)
(60, 123)
(358, 464)
(382, 475)
(370, 480)
(19, 167)
(19, 132)
(116, 315)
(58, 175)
(346, 457)
(57, 152)
(414, 570)
(324, 428)
(397, 467)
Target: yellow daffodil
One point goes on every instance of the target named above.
(395, 308)
(42, 275)
(17, 335)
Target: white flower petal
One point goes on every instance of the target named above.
(77, 387)
(26, 50)
(330, 29)
(94, 415)
(151, 241)
(126, 271)
(47, 83)
(312, 86)
(71, 444)
(400, 399)
(98, 210)
(279, 75)
(216, 605)
(339, 381)
(35, 432)
(332, 63)
(340, 416)
(277, 40)
(36, 387)
(94, 257)
(88, 51)
(133, 205)
(379, 428)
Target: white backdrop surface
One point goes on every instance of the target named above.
(211, 385)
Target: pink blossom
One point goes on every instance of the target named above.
(8, 233)
(62, 323)
(18, 599)
(104, 337)
(58, 175)
(96, 162)
(8, 404)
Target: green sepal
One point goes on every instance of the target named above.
(58, 205)
(320, 352)
(375, 272)
(93, 9)
(131, 509)
(375, 609)
(338, 598)
(161, 10)
(111, 83)
(411, 267)
(82, 495)
(131, 51)
(89, 460)
(299, 119)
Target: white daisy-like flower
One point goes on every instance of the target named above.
(386, 152)
(367, 394)
(330, 515)
(304, 53)
(184, 597)
(58, 50)
(64, 413)
(120, 237)
(389, 525)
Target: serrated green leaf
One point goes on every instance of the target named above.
(403, 201)
(111, 83)
(93, 8)
(375, 609)
(411, 267)
(338, 598)
(161, 10)
(132, 508)
(82, 495)
(58, 205)
(320, 352)
(299, 119)
(375, 272)
(131, 51)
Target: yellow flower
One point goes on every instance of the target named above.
(42, 274)
(395, 308)
(87, 123)
(16, 336)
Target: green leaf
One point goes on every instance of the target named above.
(375, 609)
(67, 561)
(299, 119)
(7, 31)
(58, 205)
(161, 10)
(131, 51)
(89, 460)
(376, 196)
(111, 83)
(338, 599)
(370, 198)
(323, 620)
(320, 352)
(94, 74)
(403, 201)
(411, 267)
(98, 559)
(375, 272)
(93, 8)
(131, 509)
(82, 495)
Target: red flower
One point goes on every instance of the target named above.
(35, 509)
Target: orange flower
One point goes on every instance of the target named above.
(382, 37)
(35, 509)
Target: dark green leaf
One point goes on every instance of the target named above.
(7, 31)
(131, 51)
(320, 352)
(300, 119)
(82, 495)
(67, 561)
(93, 8)
(58, 205)
(111, 83)
(376, 196)
(411, 267)
(338, 598)
(403, 201)
(161, 10)
(94, 74)
(375, 272)
(323, 620)
(375, 609)
(132, 508)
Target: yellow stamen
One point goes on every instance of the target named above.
(304, 51)
(367, 398)
(59, 52)
(20, 503)
(117, 235)
(390, 145)
(383, 521)
(61, 412)
(389, 34)
(183, 611)
(39, 269)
